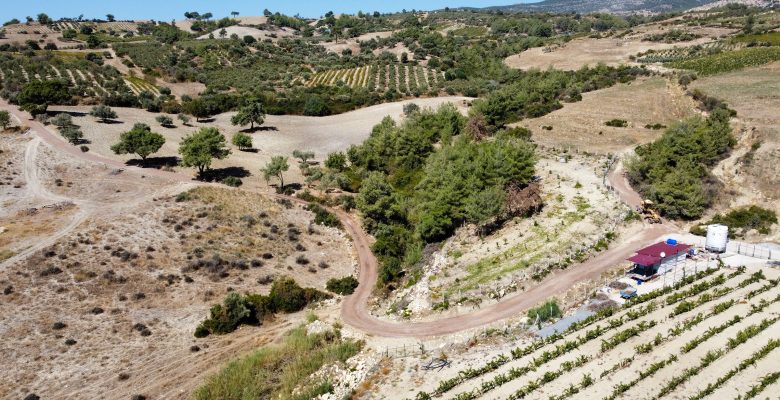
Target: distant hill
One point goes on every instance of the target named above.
(617, 6)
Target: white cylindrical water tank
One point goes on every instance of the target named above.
(717, 238)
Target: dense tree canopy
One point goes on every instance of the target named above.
(674, 170)
(411, 193)
(36, 96)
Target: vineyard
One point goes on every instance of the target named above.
(703, 338)
(138, 85)
(85, 78)
(685, 53)
(729, 61)
(404, 78)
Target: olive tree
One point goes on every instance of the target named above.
(62, 120)
(304, 157)
(242, 141)
(200, 148)
(72, 134)
(164, 120)
(140, 141)
(103, 113)
(251, 113)
(275, 168)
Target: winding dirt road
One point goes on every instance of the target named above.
(355, 311)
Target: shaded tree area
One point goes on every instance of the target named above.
(286, 296)
(418, 182)
(537, 93)
(674, 171)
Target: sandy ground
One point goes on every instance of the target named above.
(279, 135)
(242, 31)
(354, 43)
(581, 125)
(610, 51)
(85, 270)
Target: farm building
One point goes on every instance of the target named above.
(657, 259)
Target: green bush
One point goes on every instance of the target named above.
(323, 216)
(617, 123)
(545, 312)
(740, 221)
(342, 286)
(286, 296)
(232, 181)
(280, 371)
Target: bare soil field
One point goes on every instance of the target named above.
(610, 51)
(279, 134)
(110, 309)
(753, 170)
(581, 125)
(242, 31)
(354, 43)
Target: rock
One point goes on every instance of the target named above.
(317, 327)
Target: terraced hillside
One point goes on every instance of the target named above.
(700, 339)
(404, 78)
(85, 78)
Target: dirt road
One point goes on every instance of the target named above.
(355, 310)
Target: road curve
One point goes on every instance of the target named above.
(354, 310)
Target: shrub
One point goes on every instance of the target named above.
(342, 286)
(61, 120)
(741, 220)
(285, 296)
(323, 216)
(183, 196)
(72, 134)
(655, 126)
(164, 120)
(545, 312)
(617, 123)
(242, 141)
(232, 181)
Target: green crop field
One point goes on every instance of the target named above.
(729, 61)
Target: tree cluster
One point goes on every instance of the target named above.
(674, 171)
(412, 194)
(286, 296)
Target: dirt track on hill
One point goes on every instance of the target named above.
(355, 311)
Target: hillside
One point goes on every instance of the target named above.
(615, 6)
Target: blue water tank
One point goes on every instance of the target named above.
(671, 242)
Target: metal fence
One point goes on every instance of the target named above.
(413, 350)
(746, 249)
(753, 250)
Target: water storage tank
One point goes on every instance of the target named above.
(717, 238)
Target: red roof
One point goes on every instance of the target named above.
(644, 260)
(662, 247)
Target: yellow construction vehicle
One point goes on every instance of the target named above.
(649, 212)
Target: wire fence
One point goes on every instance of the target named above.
(405, 351)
